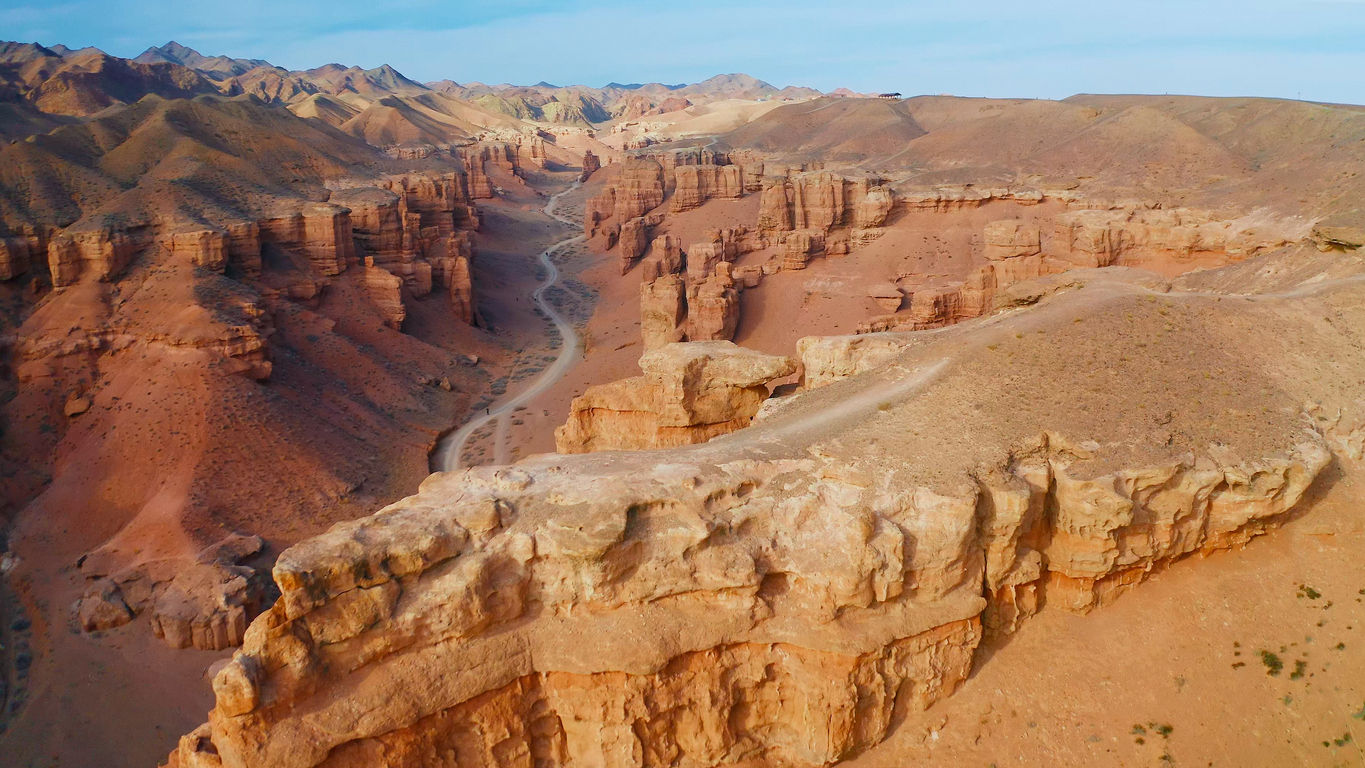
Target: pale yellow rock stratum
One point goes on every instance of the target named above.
(777, 593)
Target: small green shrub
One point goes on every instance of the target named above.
(1272, 663)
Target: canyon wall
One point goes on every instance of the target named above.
(183, 311)
(695, 612)
(1168, 241)
(415, 226)
(776, 594)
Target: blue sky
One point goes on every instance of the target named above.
(1314, 49)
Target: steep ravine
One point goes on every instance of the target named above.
(447, 455)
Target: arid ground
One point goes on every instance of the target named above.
(843, 428)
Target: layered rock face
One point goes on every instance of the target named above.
(99, 253)
(639, 190)
(1008, 239)
(385, 291)
(244, 247)
(695, 184)
(887, 296)
(461, 286)
(803, 201)
(803, 214)
(631, 242)
(700, 303)
(663, 294)
(207, 606)
(663, 310)
(690, 393)
(415, 227)
(713, 306)
(598, 209)
(798, 247)
(530, 151)
(1140, 238)
(321, 231)
(873, 203)
(1170, 241)
(775, 595)
(480, 185)
(954, 198)
(207, 248)
(376, 221)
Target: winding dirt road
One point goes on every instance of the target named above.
(446, 457)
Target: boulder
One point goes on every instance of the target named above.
(690, 392)
(103, 607)
(207, 606)
(887, 295)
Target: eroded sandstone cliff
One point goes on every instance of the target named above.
(778, 593)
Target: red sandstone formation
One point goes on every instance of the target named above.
(631, 242)
(1009, 239)
(480, 185)
(713, 307)
(598, 209)
(101, 253)
(244, 247)
(639, 190)
(591, 164)
(887, 296)
(698, 183)
(207, 248)
(808, 564)
(385, 291)
(14, 257)
(321, 231)
(779, 596)
(206, 604)
(689, 394)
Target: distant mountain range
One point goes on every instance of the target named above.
(542, 102)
